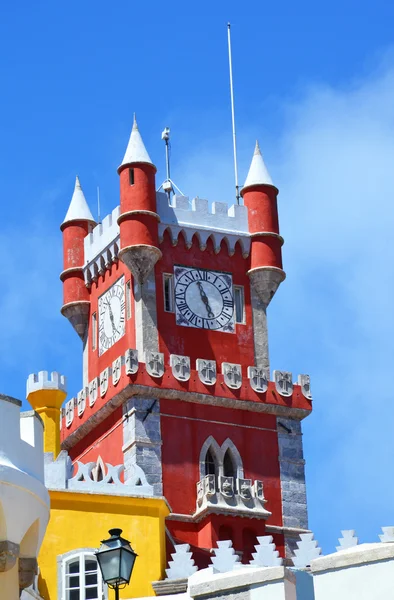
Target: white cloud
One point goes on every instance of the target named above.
(333, 317)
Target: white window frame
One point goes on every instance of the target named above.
(241, 290)
(169, 277)
(80, 555)
(94, 331)
(128, 299)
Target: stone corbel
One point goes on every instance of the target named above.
(28, 569)
(9, 552)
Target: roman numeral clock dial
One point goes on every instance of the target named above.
(204, 299)
(111, 309)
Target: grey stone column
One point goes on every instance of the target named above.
(142, 439)
(292, 478)
(146, 333)
(260, 331)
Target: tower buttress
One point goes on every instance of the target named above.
(259, 195)
(75, 228)
(138, 219)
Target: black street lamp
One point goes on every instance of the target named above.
(116, 559)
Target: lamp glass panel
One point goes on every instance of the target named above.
(126, 564)
(110, 565)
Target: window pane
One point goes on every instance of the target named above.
(228, 465)
(73, 581)
(73, 567)
(209, 464)
(168, 293)
(73, 595)
(239, 304)
(91, 579)
(91, 593)
(90, 564)
(128, 299)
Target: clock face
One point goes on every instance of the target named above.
(204, 299)
(111, 309)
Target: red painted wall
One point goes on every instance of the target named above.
(184, 429)
(201, 343)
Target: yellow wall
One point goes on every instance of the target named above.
(81, 520)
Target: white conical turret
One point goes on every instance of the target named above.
(136, 151)
(258, 172)
(78, 209)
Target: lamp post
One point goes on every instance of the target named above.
(116, 559)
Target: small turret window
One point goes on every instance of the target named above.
(94, 331)
(168, 281)
(128, 299)
(131, 176)
(239, 304)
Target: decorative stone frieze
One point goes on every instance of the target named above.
(245, 488)
(116, 370)
(93, 391)
(305, 382)
(154, 363)
(206, 371)
(104, 376)
(283, 382)
(131, 361)
(258, 379)
(232, 375)
(180, 367)
(81, 402)
(69, 411)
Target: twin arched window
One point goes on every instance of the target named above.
(220, 460)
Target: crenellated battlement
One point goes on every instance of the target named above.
(197, 214)
(218, 222)
(45, 381)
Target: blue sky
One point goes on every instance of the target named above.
(316, 86)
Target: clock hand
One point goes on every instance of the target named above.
(204, 298)
(111, 316)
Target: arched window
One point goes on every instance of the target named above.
(81, 577)
(210, 465)
(229, 469)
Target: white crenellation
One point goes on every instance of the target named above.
(388, 534)
(220, 222)
(81, 402)
(225, 558)
(307, 551)
(266, 554)
(43, 381)
(182, 564)
(348, 540)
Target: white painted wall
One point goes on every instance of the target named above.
(24, 499)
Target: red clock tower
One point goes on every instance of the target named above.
(170, 299)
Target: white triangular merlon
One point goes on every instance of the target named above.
(348, 540)
(307, 551)
(258, 172)
(225, 558)
(78, 209)
(182, 564)
(388, 534)
(266, 554)
(136, 151)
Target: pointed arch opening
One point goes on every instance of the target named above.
(229, 466)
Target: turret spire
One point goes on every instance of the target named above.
(258, 172)
(78, 209)
(136, 151)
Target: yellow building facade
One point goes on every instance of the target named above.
(84, 506)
